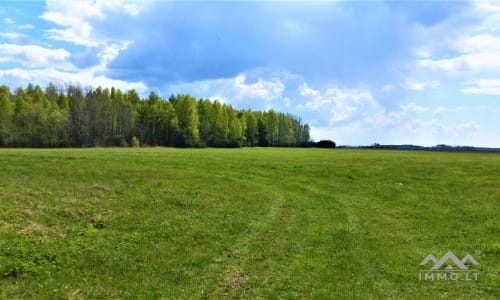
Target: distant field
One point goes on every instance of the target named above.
(244, 223)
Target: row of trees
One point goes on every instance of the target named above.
(74, 117)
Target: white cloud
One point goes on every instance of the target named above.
(487, 6)
(473, 61)
(422, 52)
(26, 27)
(10, 35)
(341, 104)
(381, 118)
(75, 24)
(132, 9)
(221, 99)
(485, 86)
(401, 128)
(413, 107)
(73, 17)
(464, 58)
(33, 55)
(475, 52)
(235, 89)
(83, 77)
(44, 65)
(263, 89)
(415, 85)
(111, 50)
(76, 18)
(478, 43)
(305, 90)
(8, 21)
(336, 134)
(489, 10)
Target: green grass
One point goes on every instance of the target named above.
(244, 223)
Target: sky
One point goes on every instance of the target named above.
(358, 72)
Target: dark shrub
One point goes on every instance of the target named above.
(325, 144)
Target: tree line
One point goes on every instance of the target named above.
(77, 117)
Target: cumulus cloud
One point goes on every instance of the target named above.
(472, 48)
(262, 89)
(10, 35)
(305, 90)
(415, 85)
(8, 21)
(88, 77)
(26, 27)
(490, 12)
(475, 43)
(422, 52)
(413, 107)
(480, 60)
(341, 104)
(475, 52)
(407, 125)
(32, 55)
(76, 24)
(383, 118)
(76, 18)
(234, 90)
(484, 86)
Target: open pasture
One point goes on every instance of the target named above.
(244, 223)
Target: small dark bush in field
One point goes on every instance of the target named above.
(325, 144)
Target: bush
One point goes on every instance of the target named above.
(326, 144)
(135, 142)
(116, 141)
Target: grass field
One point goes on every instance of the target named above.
(244, 223)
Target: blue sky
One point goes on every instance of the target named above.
(385, 72)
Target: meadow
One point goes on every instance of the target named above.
(268, 223)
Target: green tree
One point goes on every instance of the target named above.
(40, 119)
(51, 93)
(77, 125)
(204, 115)
(187, 115)
(23, 119)
(103, 117)
(149, 120)
(251, 131)
(286, 134)
(219, 125)
(169, 124)
(235, 130)
(271, 122)
(6, 112)
(125, 116)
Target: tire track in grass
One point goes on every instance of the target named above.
(237, 278)
(350, 237)
(362, 270)
(245, 275)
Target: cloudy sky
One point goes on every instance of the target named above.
(358, 72)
